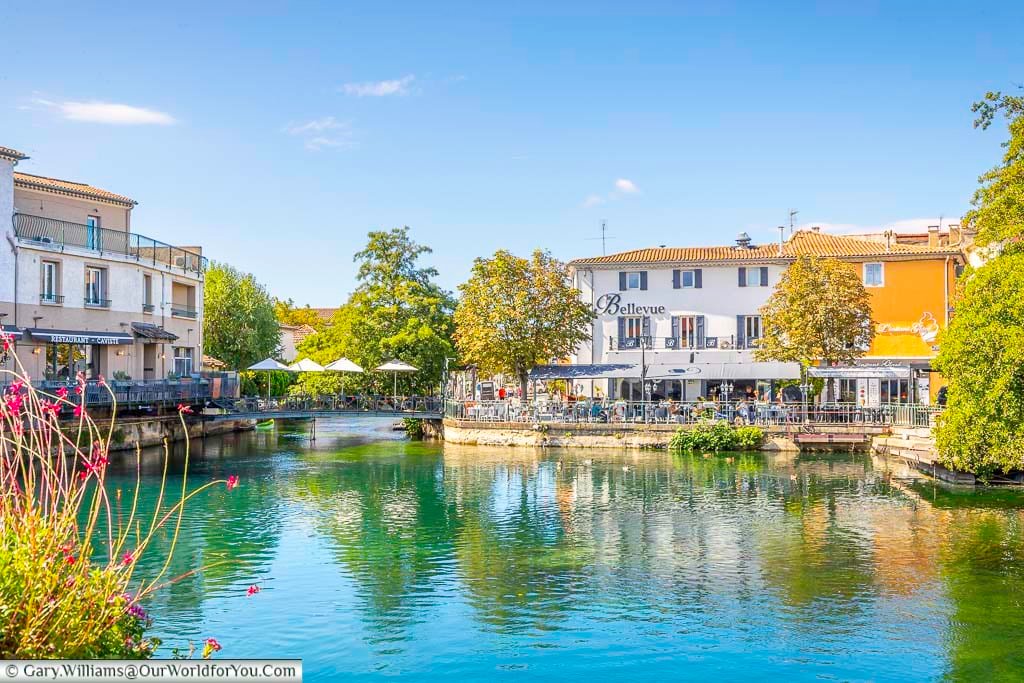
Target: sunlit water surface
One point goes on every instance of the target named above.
(378, 557)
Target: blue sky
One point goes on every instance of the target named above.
(276, 136)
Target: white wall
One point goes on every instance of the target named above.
(719, 300)
(6, 233)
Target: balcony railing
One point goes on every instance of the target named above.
(59, 234)
(677, 343)
(183, 311)
(51, 298)
(133, 393)
(147, 308)
(97, 303)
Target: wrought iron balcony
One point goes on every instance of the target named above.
(147, 308)
(51, 299)
(56, 234)
(91, 302)
(680, 343)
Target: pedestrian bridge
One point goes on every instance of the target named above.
(307, 407)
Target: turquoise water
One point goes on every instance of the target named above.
(380, 558)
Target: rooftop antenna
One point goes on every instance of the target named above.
(604, 237)
(792, 216)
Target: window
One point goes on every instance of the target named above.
(754, 277)
(182, 360)
(95, 286)
(686, 279)
(687, 331)
(147, 293)
(634, 327)
(92, 236)
(895, 391)
(633, 281)
(848, 391)
(874, 275)
(49, 288)
(752, 328)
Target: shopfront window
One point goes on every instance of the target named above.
(895, 391)
(65, 361)
(847, 390)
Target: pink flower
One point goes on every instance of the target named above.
(79, 411)
(79, 389)
(182, 408)
(127, 559)
(232, 482)
(102, 381)
(210, 647)
(70, 559)
(253, 590)
(62, 393)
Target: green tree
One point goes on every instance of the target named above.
(516, 313)
(981, 355)
(818, 311)
(396, 311)
(998, 213)
(289, 314)
(239, 325)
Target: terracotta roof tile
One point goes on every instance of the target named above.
(12, 154)
(802, 243)
(68, 187)
(326, 313)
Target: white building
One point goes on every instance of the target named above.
(81, 292)
(690, 314)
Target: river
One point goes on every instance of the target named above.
(379, 557)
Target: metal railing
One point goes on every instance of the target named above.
(183, 311)
(132, 393)
(691, 412)
(97, 303)
(340, 404)
(148, 308)
(688, 343)
(51, 298)
(56, 233)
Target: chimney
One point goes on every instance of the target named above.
(888, 240)
(816, 228)
(933, 235)
(954, 234)
(743, 241)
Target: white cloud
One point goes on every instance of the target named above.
(626, 186)
(108, 112)
(322, 133)
(398, 86)
(622, 187)
(903, 225)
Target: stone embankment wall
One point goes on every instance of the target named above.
(151, 431)
(916, 447)
(596, 435)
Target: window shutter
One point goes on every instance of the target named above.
(740, 330)
(700, 332)
(643, 279)
(698, 281)
(764, 276)
(622, 281)
(675, 279)
(743, 277)
(622, 330)
(675, 327)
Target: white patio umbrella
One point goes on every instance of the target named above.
(306, 365)
(343, 365)
(269, 365)
(396, 366)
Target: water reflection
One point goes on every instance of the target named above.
(383, 556)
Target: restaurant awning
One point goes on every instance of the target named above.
(731, 371)
(598, 371)
(151, 332)
(862, 372)
(11, 330)
(80, 337)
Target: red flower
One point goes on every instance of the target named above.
(79, 410)
(212, 645)
(253, 590)
(70, 559)
(127, 559)
(62, 393)
(182, 408)
(102, 381)
(232, 482)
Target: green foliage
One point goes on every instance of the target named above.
(819, 310)
(396, 311)
(708, 435)
(239, 323)
(289, 314)
(998, 213)
(516, 313)
(413, 427)
(254, 383)
(982, 357)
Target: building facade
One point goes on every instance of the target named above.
(81, 292)
(691, 316)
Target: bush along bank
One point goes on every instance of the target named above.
(717, 436)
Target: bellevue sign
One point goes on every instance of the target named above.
(611, 304)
